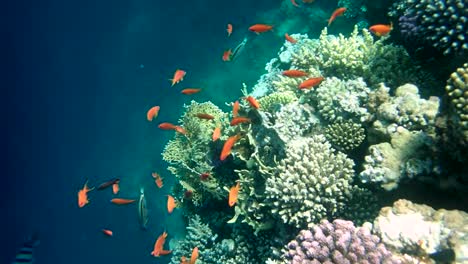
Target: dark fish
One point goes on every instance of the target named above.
(238, 50)
(25, 255)
(108, 184)
(142, 210)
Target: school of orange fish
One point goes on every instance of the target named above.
(152, 113)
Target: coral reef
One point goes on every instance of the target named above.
(273, 101)
(311, 182)
(457, 91)
(421, 231)
(345, 135)
(337, 242)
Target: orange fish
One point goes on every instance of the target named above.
(171, 204)
(294, 73)
(289, 38)
(183, 260)
(216, 133)
(228, 146)
(229, 29)
(381, 30)
(107, 232)
(338, 12)
(157, 179)
(121, 201)
(238, 120)
(233, 192)
(152, 113)
(294, 3)
(260, 28)
(180, 129)
(235, 109)
(310, 83)
(227, 55)
(166, 126)
(83, 195)
(252, 102)
(204, 116)
(194, 256)
(190, 91)
(158, 249)
(178, 76)
(115, 188)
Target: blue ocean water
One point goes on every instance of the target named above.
(83, 75)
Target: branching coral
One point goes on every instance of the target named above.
(310, 183)
(274, 101)
(345, 135)
(457, 91)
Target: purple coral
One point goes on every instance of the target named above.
(337, 242)
(409, 29)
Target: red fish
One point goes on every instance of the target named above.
(235, 109)
(239, 120)
(190, 91)
(107, 232)
(121, 201)
(295, 73)
(228, 146)
(152, 113)
(254, 103)
(216, 133)
(166, 126)
(289, 38)
(227, 55)
(83, 195)
(157, 179)
(233, 193)
(260, 28)
(204, 116)
(294, 3)
(171, 204)
(180, 129)
(194, 256)
(381, 30)
(229, 29)
(310, 83)
(178, 76)
(115, 188)
(159, 245)
(338, 12)
(107, 184)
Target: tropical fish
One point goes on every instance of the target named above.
(180, 129)
(235, 109)
(229, 29)
(83, 195)
(166, 126)
(115, 188)
(107, 232)
(294, 3)
(228, 146)
(183, 260)
(107, 184)
(381, 30)
(310, 83)
(25, 254)
(295, 73)
(216, 133)
(171, 204)
(194, 256)
(260, 28)
(227, 55)
(159, 245)
(204, 116)
(336, 13)
(152, 113)
(238, 49)
(178, 76)
(142, 210)
(233, 192)
(122, 201)
(157, 179)
(190, 91)
(289, 38)
(238, 120)
(254, 103)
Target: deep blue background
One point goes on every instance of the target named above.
(76, 99)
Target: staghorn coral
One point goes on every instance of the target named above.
(420, 230)
(457, 91)
(345, 135)
(338, 242)
(311, 182)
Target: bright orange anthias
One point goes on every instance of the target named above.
(204, 116)
(233, 193)
(294, 73)
(216, 133)
(228, 146)
(235, 109)
(178, 76)
(289, 38)
(260, 28)
(189, 91)
(227, 55)
(310, 83)
(157, 179)
(171, 204)
(83, 195)
(338, 12)
(158, 249)
(152, 113)
(253, 102)
(239, 120)
(381, 30)
(229, 29)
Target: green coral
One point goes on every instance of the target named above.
(345, 135)
(457, 91)
(311, 182)
(272, 101)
